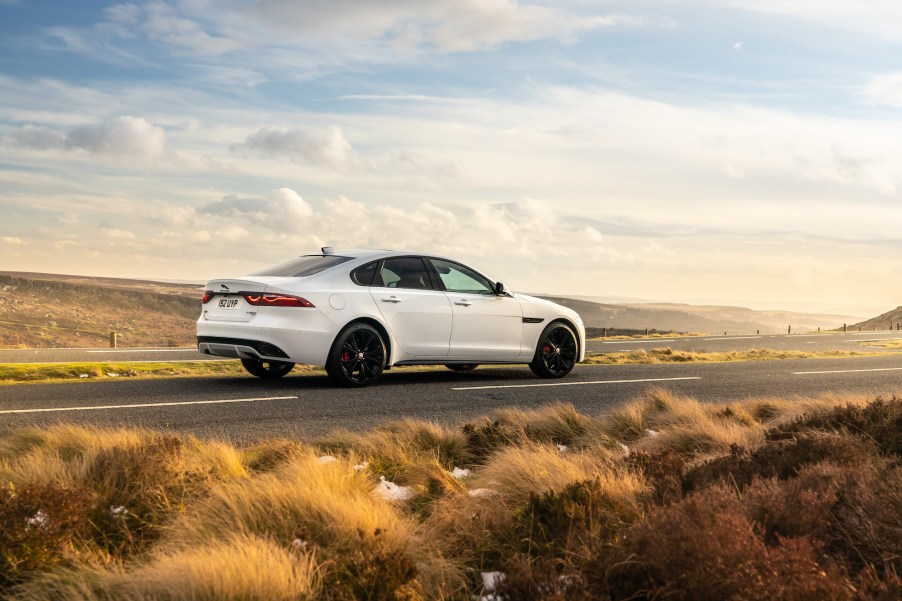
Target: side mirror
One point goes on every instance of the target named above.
(499, 288)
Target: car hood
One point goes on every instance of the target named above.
(534, 300)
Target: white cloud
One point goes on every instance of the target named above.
(850, 170)
(123, 136)
(38, 138)
(324, 146)
(15, 241)
(445, 25)
(885, 89)
(117, 234)
(737, 46)
(282, 209)
(162, 22)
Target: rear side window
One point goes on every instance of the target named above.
(404, 272)
(363, 276)
(304, 266)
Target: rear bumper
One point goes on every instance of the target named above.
(237, 348)
(270, 338)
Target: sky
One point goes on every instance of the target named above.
(717, 151)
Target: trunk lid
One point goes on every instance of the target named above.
(227, 302)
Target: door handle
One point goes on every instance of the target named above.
(463, 303)
(393, 299)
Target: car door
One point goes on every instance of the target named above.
(484, 325)
(416, 312)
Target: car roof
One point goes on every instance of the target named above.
(381, 253)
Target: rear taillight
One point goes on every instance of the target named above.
(208, 294)
(276, 300)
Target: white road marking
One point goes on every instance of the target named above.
(638, 341)
(147, 350)
(733, 338)
(846, 371)
(89, 408)
(576, 383)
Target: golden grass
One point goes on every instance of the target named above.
(889, 344)
(662, 420)
(652, 335)
(668, 355)
(20, 373)
(245, 568)
(208, 520)
(515, 473)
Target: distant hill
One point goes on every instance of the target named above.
(50, 310)
(698, 318)
(889, 320)
(39, 310)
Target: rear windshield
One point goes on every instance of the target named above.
(304, 266)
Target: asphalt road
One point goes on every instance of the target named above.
(845, 341)
(243, 409)
(799, 342)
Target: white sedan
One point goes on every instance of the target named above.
(361, 312)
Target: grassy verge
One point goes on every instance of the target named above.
(652, 335)
(665, 497)
(887, 344)
(668, 355)
(17, 373)
(25, 373)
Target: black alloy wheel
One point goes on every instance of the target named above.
(357, 357)
(461, 366)
(556, 353)
(267, 369)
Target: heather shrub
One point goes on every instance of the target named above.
(779, 458)
(706, 547)
(39, 525)
(879, 421)
(569, 525)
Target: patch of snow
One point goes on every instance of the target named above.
(38, 520)
(651, 432)
(84, 376)
(112, 375)
(490, 581)
(459, 473)
(327, 459)
(118, 512)
(626, 449)
(562, 448)
(299, 545)
(362, 466)
(483, 492)
(391, 491)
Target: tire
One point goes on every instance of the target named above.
(268, 370)
(462, 366)
(357, 357)
(556, 351)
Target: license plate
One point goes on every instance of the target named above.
(228, 303)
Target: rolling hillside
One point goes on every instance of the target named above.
(698, 318)
(889, 320)
(47, 310)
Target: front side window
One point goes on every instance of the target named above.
(458, 278)
(304, 266)
(404, 272)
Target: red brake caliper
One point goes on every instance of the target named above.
(546, 349)
(346, 356)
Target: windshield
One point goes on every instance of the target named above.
(304, 266)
